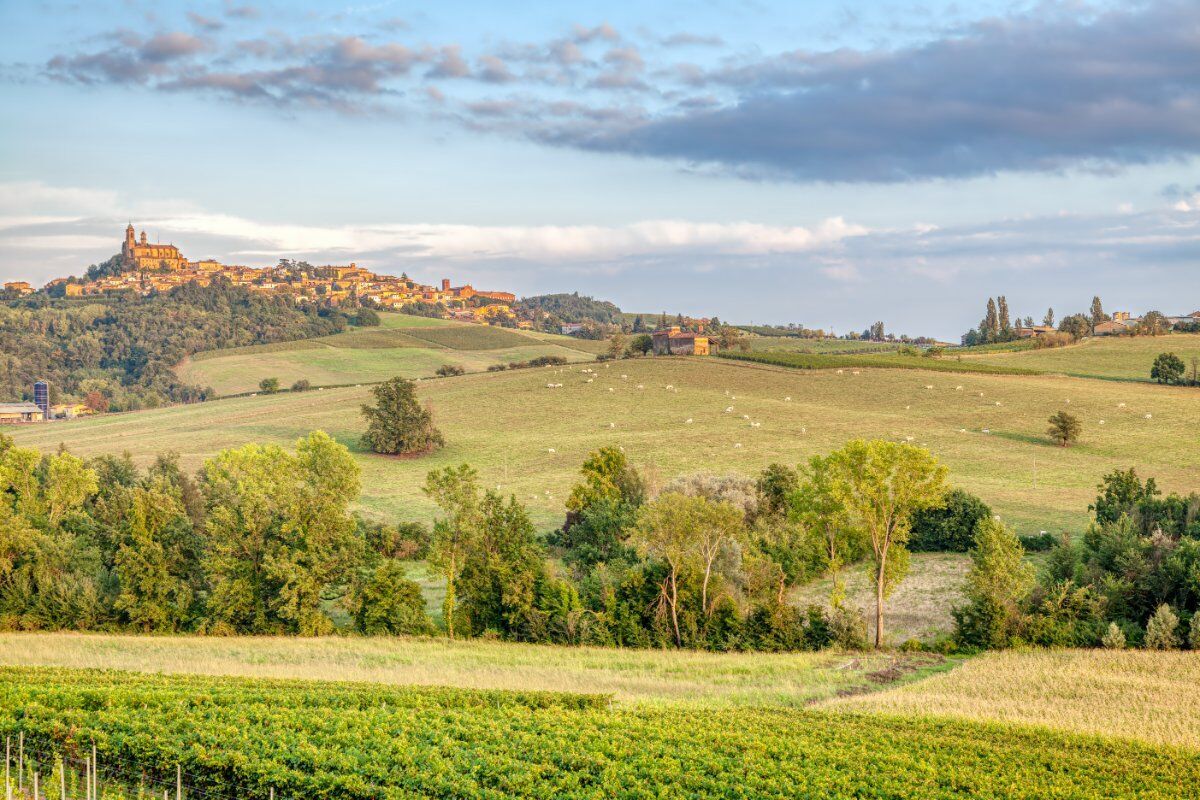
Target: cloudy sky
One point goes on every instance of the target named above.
(827, 163)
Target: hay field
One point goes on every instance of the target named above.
(1111, 357)
(641, 677)
(403, 345)
(1132, 694)
(529, 440)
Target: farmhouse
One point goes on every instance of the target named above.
(674, 342)
(19, 288)
(14, 413)
(1035, 331)
(1116, 326)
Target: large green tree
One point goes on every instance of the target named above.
(455, 490)
(882, 484)
(398, 424)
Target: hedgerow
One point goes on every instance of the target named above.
(240, 737)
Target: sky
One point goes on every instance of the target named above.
(823, 163)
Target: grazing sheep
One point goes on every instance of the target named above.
(669, 387)
(611, 389)
(787, 399)
(624, 377)
(929, 386)
(841, 372)
(1120, 405)
(958, 388)
(589, 380)
(745, 416)
(640, 386)
(729, 410)
(906, 408)
(1101, 422)
(985, 430)
(612, 424)
(803, 430)
(856, 372)
(687, 421)
(908, 438)
(997, 402)
(549, 449)
(962, 430)
(1149, 416)
(737, 445)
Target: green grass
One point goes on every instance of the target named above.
(505, 424)
(1109, 357)
(795, 344)
(402, 345)
(350, 741)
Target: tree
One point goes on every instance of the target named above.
(1097, 315)
(1121, 492)
(68, 485)
(455, 490)
(616, 345)
(989, 329)
(154, 592)
(607, 475)
(1153, 323)
(817, 506)
(643, 343)
(1076, 325)
(685, 532)
(639, 325)
(997, 583)
(279, 533)
(269, 385)
(503, 567)
(1064, 428)
(301, 385)
(1004, 324)
(1048, 320)
(398, 424)
(881, 485)
(1167, 368)
(387, 602)
(950, 526)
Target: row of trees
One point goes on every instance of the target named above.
(259, 542)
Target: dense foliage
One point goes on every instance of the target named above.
(120, 350)
(260, 542)
(564, 308)
(398, 424)
(254, 738)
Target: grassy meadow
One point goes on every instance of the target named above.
(529, 440)
(403, 345)
(632, 677)
(1110, 357)
(1133, 694)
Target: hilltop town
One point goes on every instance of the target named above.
(144, 267)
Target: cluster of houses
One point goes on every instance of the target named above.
(148, 267)
(1122, 322)
(40, 410)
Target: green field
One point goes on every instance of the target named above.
(406, 345)
(246, 737)
(795, 344)
(529, 440)
(1112, 357)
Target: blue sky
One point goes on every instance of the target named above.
(827, 163)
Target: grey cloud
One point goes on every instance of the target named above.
(241, 12)
(1008, 94)
(584, 34)
(691, 40)
(449, 63)
(205, 23)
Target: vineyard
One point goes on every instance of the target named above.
(801, 360)
(291, 739)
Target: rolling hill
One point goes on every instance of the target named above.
(403, 345)
(529, 439)
(1126, 358)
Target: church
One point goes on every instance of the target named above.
(144, 257)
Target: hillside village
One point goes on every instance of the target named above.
(144, 267)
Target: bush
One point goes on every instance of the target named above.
(497, 367)
(1194, 632)
(1115, 638)
(449, 371)
(269, 385)
(848, 628)
(547, 361)
(301, 385)
(1161, 630)
(366, 318)
(949, 527)
(1038, 543)
(389, 603)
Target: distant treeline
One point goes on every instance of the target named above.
(117, 353)
(552, 310)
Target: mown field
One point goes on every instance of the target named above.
(403, 345)
(529, 440)
(1111, 357)
(237, 736)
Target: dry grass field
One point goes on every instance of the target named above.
(403, 345)
(1111, 357)
(631, 676)
(529, 440)
(1132, 694)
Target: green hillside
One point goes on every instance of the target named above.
(1111, 357)
(403, 345)
(529, 439)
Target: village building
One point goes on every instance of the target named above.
(19, 288)
(676, 342)
(142, 256)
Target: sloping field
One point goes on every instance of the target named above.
(1114, 357)
(529, 440)
(1134, 694)
(403, 345)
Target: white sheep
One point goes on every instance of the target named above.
(755, 424)
(985, 430)
(958, 388)
(841, 372)
(908, 438)
(929, 386)
(787, 399)
(729, 409)
(906, 408)
(803, 430)
(611, 389)
(550, 450)
(1120, 405)
(737, 445)
(997, 402)
(669, 387)
(1149, 416)
(612, 424)
(962, 430)
(856, 372)
(641, 386)
(745, 416)
(1101, 422)
(624, 377)
(687, 421)
(589, 380)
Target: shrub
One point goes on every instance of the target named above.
(497, 367)
(1114, 639)
(848, 628)
(997, 584)
(301, 385)
(1161, 629)
(389, 603)
(1194, 632)
(269, 385)
(1039, 542)
(366, 318)
(547, 361)
(449, 371)
(949, 527)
